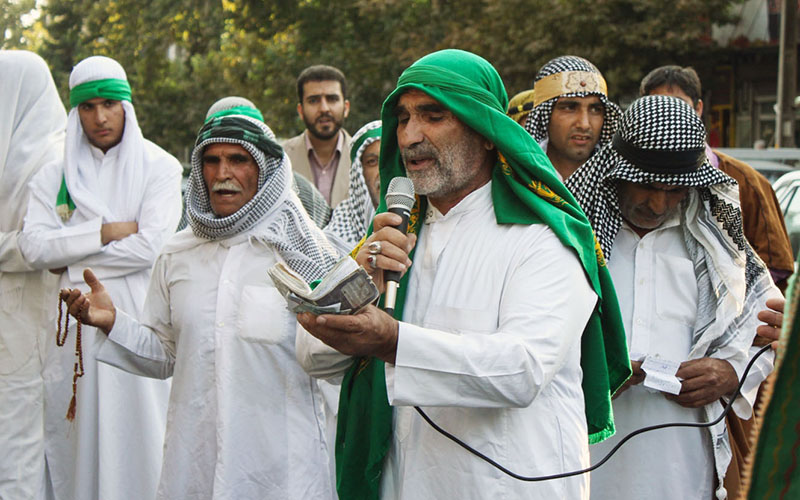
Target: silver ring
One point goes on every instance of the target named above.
(372, 260)
(375, 247)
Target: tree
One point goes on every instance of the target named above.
(183, 55)
(13, 28)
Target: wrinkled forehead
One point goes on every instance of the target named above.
(417, 100)
(225, 149)
(374, 148)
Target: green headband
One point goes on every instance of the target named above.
(110, 88)
(375, 132)
(238, 110)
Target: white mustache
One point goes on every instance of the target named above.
(226, 186)
(421, 150)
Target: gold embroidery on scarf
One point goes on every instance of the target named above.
(413, 218)
(598, 250)
(568, 82)
(358, 247)
(543, 191)
(362, 363)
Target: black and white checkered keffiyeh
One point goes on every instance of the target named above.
(289, 229)
(538, 120)
(352, 216)
(732, 281)
(653, 124)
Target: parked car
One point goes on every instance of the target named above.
(781, 166)
(772, 163)
(787, 189)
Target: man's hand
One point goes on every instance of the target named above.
(773, 317)
(395, 247)
(114, 231)
(637, 377)
(95, 308)
(705, 380)
(371, 332)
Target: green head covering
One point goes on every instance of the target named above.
(525, 190)
(109, 88)
(370, 130)
(250, 111)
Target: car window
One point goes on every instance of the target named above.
(785, 197)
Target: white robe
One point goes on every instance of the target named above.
(489, 346)
(113, 448)
(657, 291)
(31, 135)
(244, 420)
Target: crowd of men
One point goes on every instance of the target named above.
(570, 273)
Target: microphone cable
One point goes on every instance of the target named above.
(613, 450)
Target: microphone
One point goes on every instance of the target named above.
(399, 200)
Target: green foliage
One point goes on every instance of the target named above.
(14, 34)
(182, 55)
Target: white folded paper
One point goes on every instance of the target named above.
(660, 374)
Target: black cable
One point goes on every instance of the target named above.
(613, 450)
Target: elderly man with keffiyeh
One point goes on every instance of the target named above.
(111, 204)
(506, 329)
(572, 115)
(244, 421)
(690, 287)
(351, 218)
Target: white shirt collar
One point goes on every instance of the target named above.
(478, 198)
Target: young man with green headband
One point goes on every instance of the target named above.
(506, 331)
(110, 205)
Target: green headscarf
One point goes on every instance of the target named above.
(525, 190)
(108, 88)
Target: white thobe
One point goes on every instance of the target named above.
(31, 135)
(244, 420)
(489, 345)
(113, 448)
(657, 291)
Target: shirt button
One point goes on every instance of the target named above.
(221, 323)
(639, 321)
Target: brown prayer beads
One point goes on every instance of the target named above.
(78, 369)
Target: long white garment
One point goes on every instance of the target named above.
(244, 421)
(658, 296)
(489, 346)
(31, 135)
(113, 449)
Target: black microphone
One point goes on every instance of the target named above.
(399, 200)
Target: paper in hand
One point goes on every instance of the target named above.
(660, 374)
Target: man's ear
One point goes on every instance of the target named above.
(300, 110)
(346, 108)
(698, 108)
